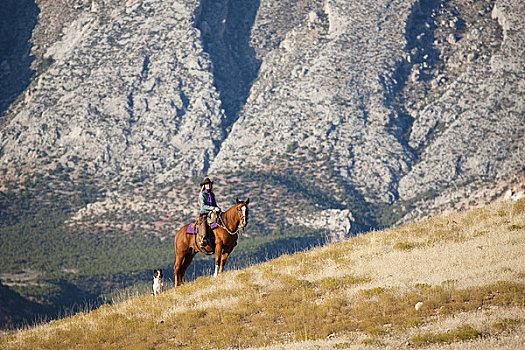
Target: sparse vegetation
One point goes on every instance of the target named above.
(403, 246)
(462, 333)
(507, 324)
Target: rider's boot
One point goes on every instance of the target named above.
(202, 232)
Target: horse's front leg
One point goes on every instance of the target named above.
(218, 252)
(223, 260)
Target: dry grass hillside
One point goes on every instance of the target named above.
(456, 281)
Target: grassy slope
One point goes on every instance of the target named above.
(468, 270)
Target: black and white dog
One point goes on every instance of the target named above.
(158, 285)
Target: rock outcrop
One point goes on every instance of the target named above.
(476, 128)
(338, 223)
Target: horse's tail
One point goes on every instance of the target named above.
(175, 260)
(175, 247)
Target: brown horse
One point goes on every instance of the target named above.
(230, 223)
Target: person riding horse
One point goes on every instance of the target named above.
(207, 204)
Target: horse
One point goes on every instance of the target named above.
(226, 234)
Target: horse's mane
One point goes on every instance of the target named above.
(230, 214)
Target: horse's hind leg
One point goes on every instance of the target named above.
(187, 261)
(176, 270)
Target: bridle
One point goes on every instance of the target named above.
(242, 222)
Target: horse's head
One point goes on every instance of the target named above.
(242, 209)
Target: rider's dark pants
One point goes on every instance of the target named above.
(202, 228)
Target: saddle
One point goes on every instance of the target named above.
(211, 220)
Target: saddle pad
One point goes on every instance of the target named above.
(193, 230)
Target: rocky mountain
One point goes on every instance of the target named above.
(394, 99)
(330, 114)
(354, 100)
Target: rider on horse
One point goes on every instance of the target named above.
(207, 204)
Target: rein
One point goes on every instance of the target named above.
(241, 226)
